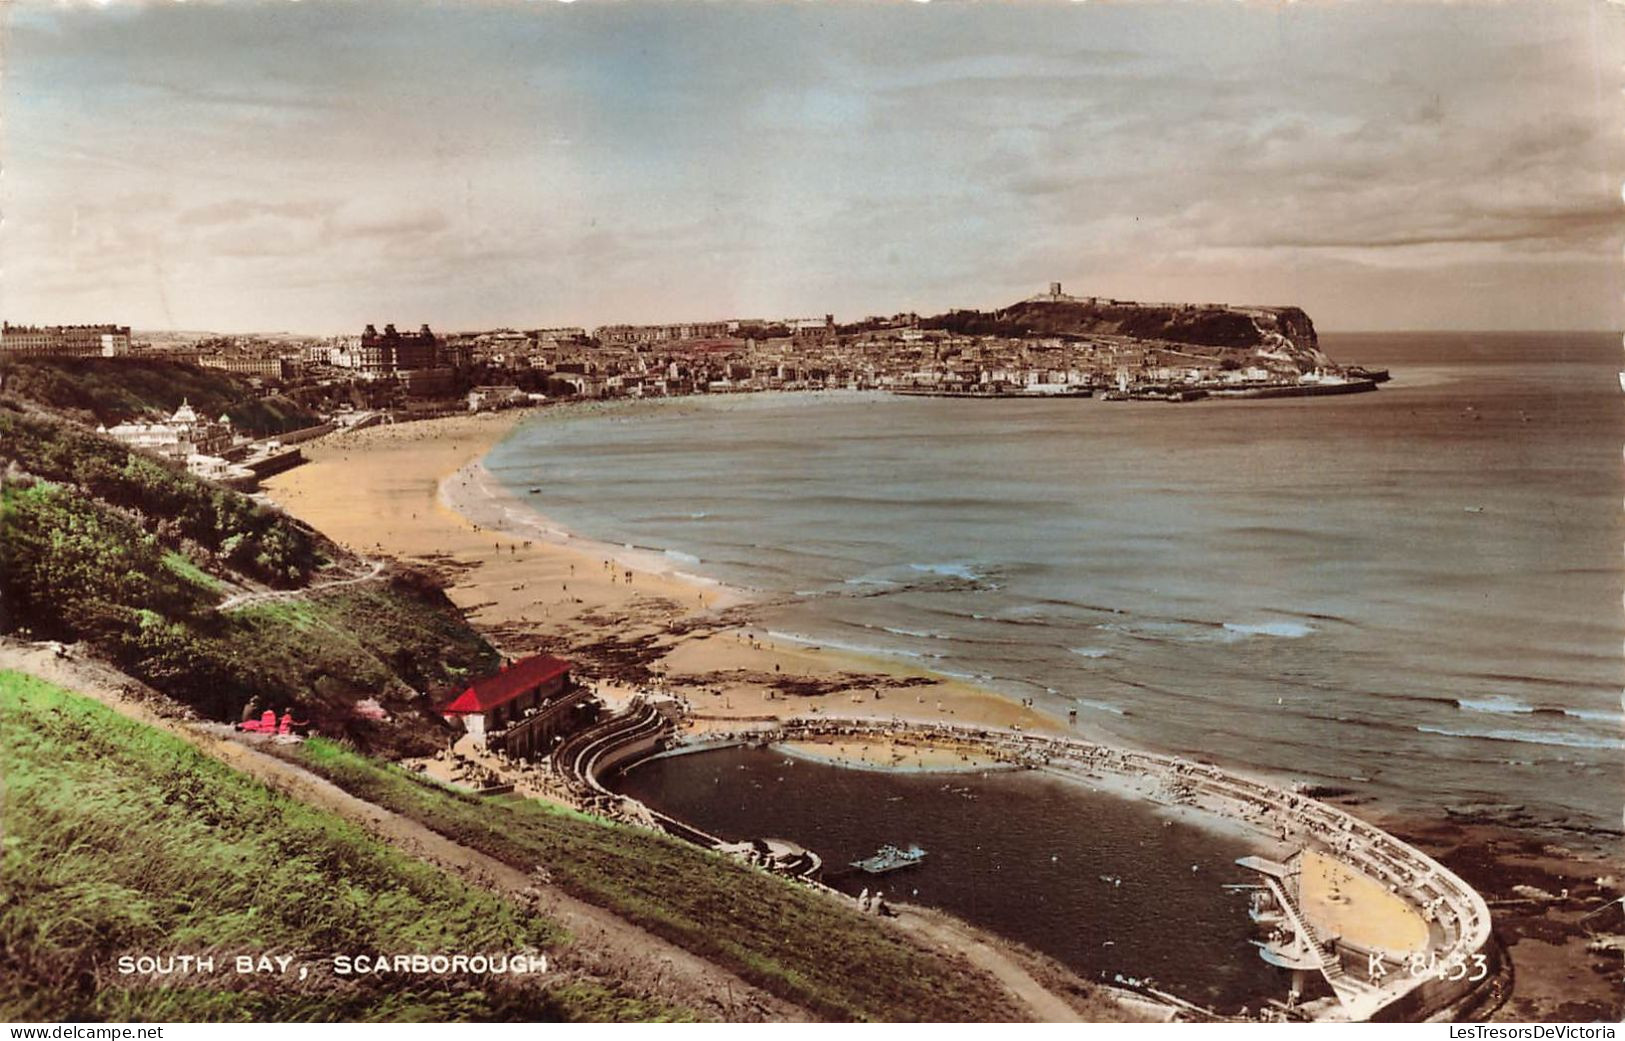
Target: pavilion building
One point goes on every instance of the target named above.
(524, 708)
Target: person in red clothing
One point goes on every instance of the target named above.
(288, 723)
(266, 724)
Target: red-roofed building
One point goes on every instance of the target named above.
(522, 708)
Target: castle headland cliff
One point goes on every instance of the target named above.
(1284, 334)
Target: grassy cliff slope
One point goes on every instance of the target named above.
(107, 545)
(123, 840)
(112, 390)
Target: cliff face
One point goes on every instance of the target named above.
(1282, 334)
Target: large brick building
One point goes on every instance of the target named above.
(390, 352)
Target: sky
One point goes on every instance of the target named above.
(312, 166)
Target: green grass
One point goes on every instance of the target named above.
(324, 654)
(785, 938)
(116, 389)
(300, 614)
(105, 545)
(191, 572)
(122, 839)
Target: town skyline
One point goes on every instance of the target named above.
(310, 168)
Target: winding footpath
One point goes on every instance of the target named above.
(237, 601)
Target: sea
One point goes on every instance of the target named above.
(1414, 594)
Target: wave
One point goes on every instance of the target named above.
(920, 634)
(1101, 706)
(1500, 706)
(1529, 679)
(1173, 632)
(686, 558)
(867, 650)
(1089, 652)
(1285, 630)
(1512, 707)
(1562, 740)
(950, 570)
(969, 677)
(1195, 630)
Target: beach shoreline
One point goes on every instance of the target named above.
(419, 491)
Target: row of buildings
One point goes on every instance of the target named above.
(900, 352)
(69, 341)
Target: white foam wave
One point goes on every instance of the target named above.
(856, 648)
(1285, 630)
(1512, 707)
(1499, 706)
(949, 570)
(920, 634)
(1089, 652)
(1561, 740)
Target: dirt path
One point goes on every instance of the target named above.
(238, 601)
(605, 942)
(601, 940)
(1046, 1006)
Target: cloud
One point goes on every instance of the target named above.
(260, 164)
(399, 221)
(1548, 227)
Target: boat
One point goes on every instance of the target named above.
(890, 858)
(535, 491)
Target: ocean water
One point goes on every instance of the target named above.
(1414, 593)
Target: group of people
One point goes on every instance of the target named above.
(267, 723)
(875, 904)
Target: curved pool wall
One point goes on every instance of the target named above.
(1460, 927)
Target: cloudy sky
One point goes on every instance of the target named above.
(313, 166)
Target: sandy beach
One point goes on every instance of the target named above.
(416, 491)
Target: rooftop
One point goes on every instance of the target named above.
(501, 687)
